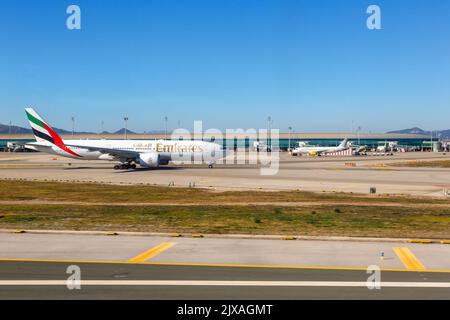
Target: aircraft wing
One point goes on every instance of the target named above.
(117, 153)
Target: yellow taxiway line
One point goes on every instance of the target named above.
(218, 265)
(152, 252)
(410, 261)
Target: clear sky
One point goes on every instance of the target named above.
(310, 64)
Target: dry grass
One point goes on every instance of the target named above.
(103, 193)
(320, 220)
(352, 217)
(423, 164)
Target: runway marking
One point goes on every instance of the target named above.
(216, 265)
(152, 252)
(202, 283)
(410, 261)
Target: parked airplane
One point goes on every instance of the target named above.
(130, 153)
(318, 151)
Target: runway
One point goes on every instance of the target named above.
(295, 173)
(212, 283)
(138, 267)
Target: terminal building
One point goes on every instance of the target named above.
(284, 141)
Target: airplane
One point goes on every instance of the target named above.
(129, 153)
(318, 151)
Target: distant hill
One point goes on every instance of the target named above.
(155, 132)
(62, 131)
(4, 129)
(414, 130)
(122, 131)
(443, 134)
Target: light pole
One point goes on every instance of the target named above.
(269, 121)
(73, 126)
(290, 131)
(431, 141)
(10, 127)
(126, 127)
(359, 141)
(165, 120)
(103, 127)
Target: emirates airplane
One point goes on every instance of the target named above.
(129, 153)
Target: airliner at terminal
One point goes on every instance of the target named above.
(318, 151)
(129, 153)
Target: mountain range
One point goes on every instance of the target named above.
(443, 134)
(5, 129)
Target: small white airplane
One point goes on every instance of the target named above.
(130, 153)
(318, 151)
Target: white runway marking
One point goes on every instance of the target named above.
(224, 283)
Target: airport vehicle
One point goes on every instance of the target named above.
(129, 153)
(318, 151)
(446, 145)
(13, 146)
(260, 147)
(360, 151)
(390, 146)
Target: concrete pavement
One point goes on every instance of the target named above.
(303, 173)
(211, 283)
(188, 268)
(211, 251)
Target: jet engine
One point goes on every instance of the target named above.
(149, 160)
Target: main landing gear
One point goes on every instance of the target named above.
(125, 166)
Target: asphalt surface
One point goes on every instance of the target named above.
(121, 272)
(291, 173)
(247, 268)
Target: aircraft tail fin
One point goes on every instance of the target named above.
(343, 143)
(41, 129)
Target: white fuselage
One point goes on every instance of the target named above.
(168, 150)
(319, 150)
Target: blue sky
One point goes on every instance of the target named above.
(309, 64)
